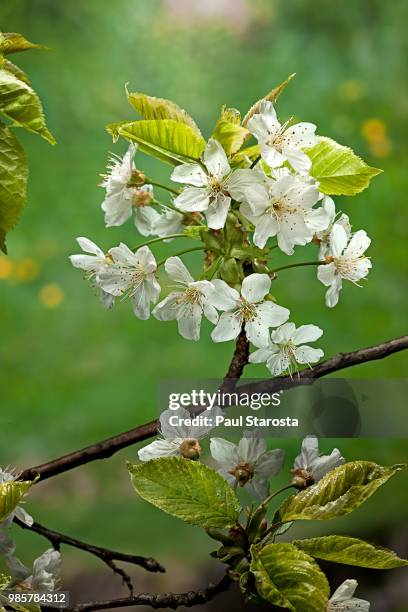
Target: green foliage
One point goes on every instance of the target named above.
(187, 490)
(272, 96)
(165, 139)
(229, 131)
(338, 169)
(13, 181)
(20, 103)
(159, 108)
(10, 496)
(287, 577)
(11, 42)
(338, 493)
(350, 551)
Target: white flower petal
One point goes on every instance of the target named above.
(189, 320)
(250, 448)
(255, 287)
(308, 454)
(278, 363)
(145, 218)
(271, 314)
(326, 274)
(210, 312)
(167, 309)
(117, 208)
(178, 271)
(216, 213)
(273, 158)
(228, 327)
(216, 160)
(306, 333)
(307, 354)
(145, 258)
(193, 199)
(298, 160)
(266, 226)
(191, 174)
(270, 463)
(89, 247)
(258, 488)
(224, 297)
(23, 516)
(338, 240)
(260, 355)
(357, 245)
(158, 448)
(322, 465)
(345, 591)
(300, 135)
(332, 294)
(225, 453)
(284, 333)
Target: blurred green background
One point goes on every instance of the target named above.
(72, 373)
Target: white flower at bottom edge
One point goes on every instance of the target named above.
(188, 304)
(178, 440)
(247, 464)
(310, 466)
(342, 599)
(211, 188)
(94, 262)
(248, 309)
(345, 261)
(132, 274)
(323, 237)
(44, 576)
(280, 143)
(286, 348)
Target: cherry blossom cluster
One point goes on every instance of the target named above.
(273, 198)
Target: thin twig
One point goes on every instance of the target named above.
(105, 554)
(110, 446)
(160, 600)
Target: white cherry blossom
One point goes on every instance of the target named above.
(247, 464)
(323, 237)
(188, 303)
(286, 349)
(211, 188)
(133, 275)
(343, 599)
(93, 263)
(280, 143)
(346, 261)
(284, 208)
(44, 576)
(248, 308)
(178, 440)
(123, 197)
(310, 466)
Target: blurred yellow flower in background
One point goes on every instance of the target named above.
(375, 133)
(26, 270)
(51, 295)
(6, 267)
(351, 91)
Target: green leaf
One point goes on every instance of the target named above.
(159, 108)
(338, 169)
(18, 73)
(13, 181)
(11, 42)
(168, 140)
(271, 97)
(20, 103)
(350, 551)
(339, 492)
(287, 577)
(10, 496)
(229, 131)
(188, 490)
